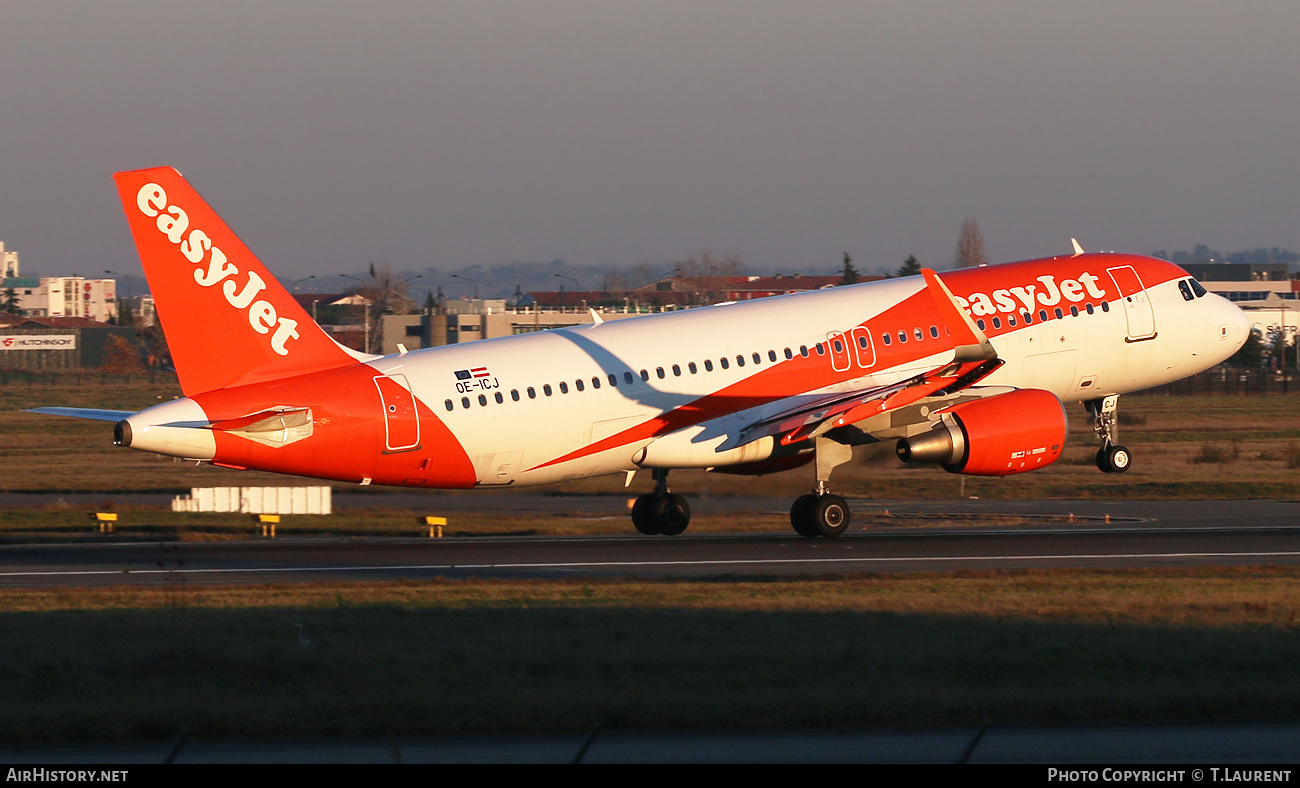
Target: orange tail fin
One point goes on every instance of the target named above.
(228, 321)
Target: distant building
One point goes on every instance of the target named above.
(765, 286)
(1247, 282)
(65, 296)
(8, 263)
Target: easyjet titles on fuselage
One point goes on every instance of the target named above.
(173, 222)
(1046, 293)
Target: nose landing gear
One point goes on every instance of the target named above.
(1111, 457)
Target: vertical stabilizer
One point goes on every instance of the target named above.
(228, 321)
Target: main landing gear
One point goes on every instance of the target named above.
(1111, 457)
(821, 513)
(661, 512)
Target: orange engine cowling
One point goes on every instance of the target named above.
(996, 436)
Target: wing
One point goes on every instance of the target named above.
(974, 359)
(821, 416)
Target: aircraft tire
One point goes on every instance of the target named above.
(831, 515)
(672, 514)
(801, 516)
(1101, 461)
(1116, 459)
(644, 512)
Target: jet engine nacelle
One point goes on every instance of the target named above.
(1009, 433)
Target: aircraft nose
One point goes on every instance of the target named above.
(1236, 324)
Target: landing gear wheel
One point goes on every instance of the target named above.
(661, 514)
(643, 514)
(819, 515)
(1114, 459)
(801, 516)
(831, 515)
(672, 514)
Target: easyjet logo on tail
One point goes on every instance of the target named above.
(197, 247)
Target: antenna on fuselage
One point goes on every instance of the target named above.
(1077, 249)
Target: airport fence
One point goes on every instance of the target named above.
(85, 377)
(1230, 381)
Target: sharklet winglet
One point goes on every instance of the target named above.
(971, 343)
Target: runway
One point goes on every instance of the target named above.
(1045, 534)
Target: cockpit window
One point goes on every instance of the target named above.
(1197, 288)
(1185, 289)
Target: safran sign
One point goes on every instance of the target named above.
(38, 342)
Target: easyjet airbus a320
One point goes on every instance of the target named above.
(968, 370)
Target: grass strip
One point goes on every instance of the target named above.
(901, 651)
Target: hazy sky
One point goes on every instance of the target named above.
(445, 134)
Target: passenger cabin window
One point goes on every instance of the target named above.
(564, 387)
(708, 365)
(546, 389)
(889, 340)
(532, 393)
(627, 378)
(450, 406)
(500, 399)
(578, 384)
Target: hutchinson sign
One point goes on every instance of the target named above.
(38, 342)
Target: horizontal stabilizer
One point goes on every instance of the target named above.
(274, 427)
(270, 420)
(85, 413)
